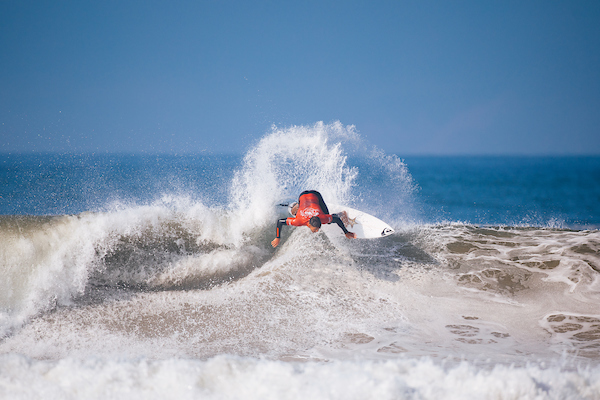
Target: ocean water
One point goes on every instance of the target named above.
(152, 276)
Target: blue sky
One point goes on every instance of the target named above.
(414, 77)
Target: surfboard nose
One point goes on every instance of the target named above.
(386, 232)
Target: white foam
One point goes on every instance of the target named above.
(288, 161)
(228, 377)
(45, 263)
(48, 261)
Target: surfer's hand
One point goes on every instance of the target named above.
(275, 242)
(349, 235)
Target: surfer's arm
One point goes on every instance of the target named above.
(281, 222)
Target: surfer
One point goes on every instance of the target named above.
(311, 211)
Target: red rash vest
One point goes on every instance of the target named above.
(308, 208)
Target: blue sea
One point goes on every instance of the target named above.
(152, 276)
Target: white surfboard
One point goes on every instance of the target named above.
(364, 225)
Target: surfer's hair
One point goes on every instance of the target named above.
(315, 221)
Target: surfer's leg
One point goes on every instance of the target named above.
(305, 192)
(339, 223)
(343, 216)
(322, 202)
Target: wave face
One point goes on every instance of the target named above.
(164, 266)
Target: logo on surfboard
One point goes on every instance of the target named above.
(387, 231)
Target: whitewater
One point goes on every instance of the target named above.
(154, 277)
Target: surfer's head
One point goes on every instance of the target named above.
(314, 224)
